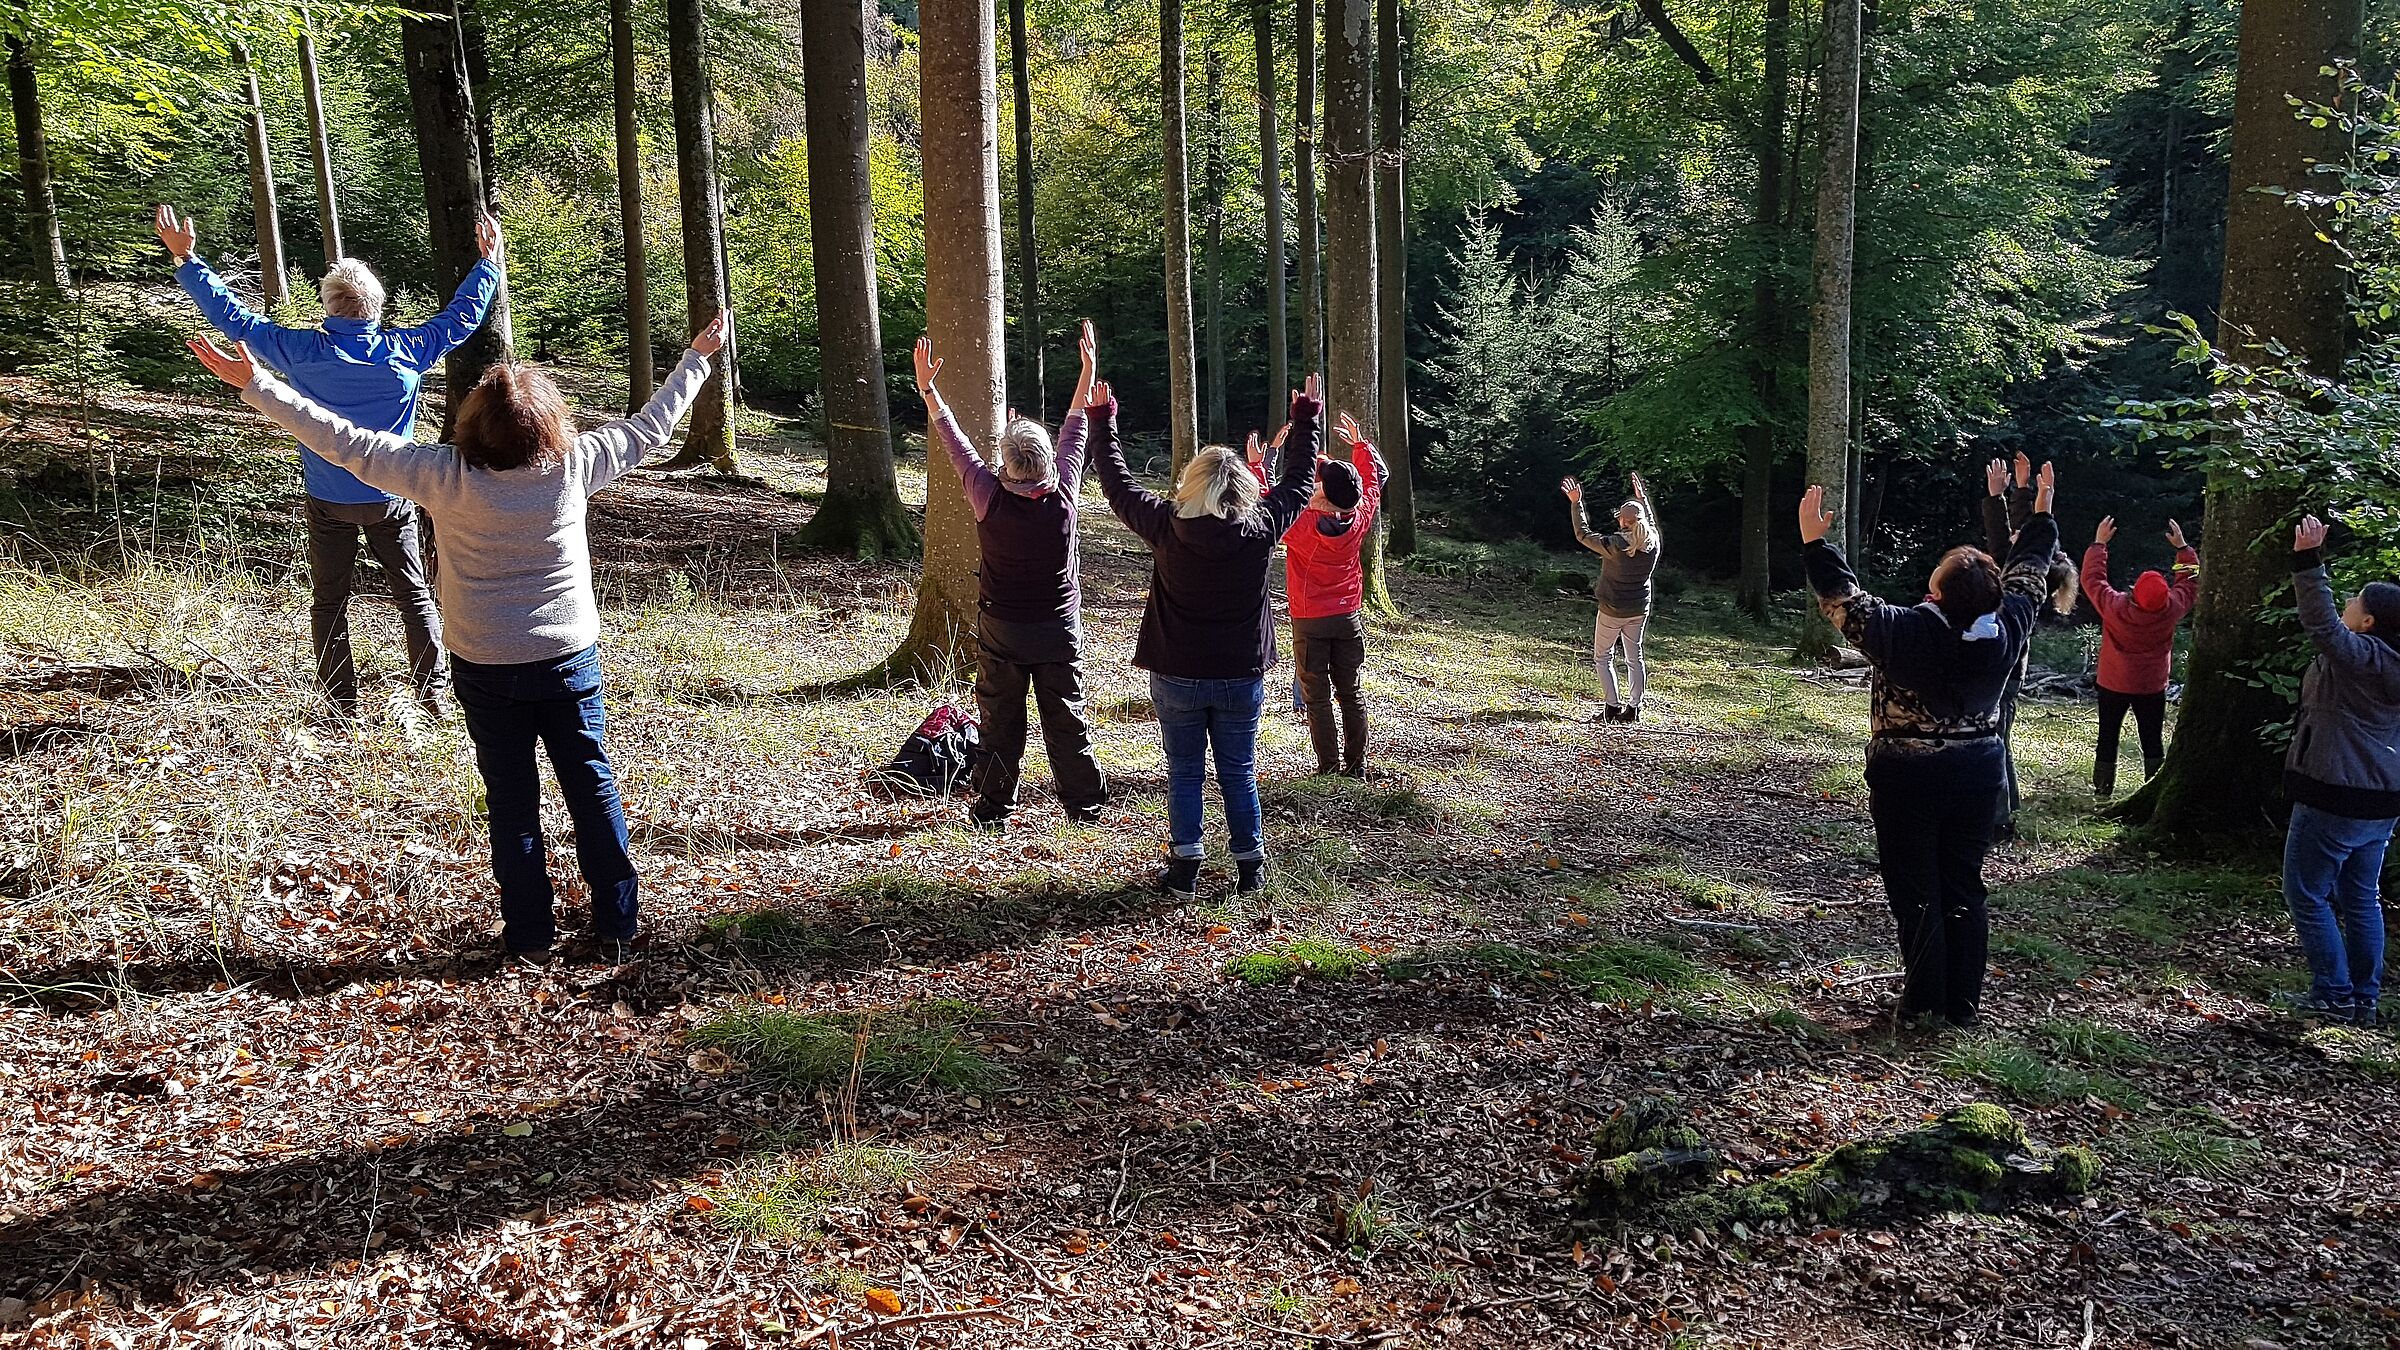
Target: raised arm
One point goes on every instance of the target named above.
(2027, 573)
(2104, 597)
(2184, 590)
(394, 464)
(975, 477)
(217, 303)
(612, 451)
(1371, 472)
(1597, 543)
(2320, 612)
(1297, 481)
(1075, 433)
(1865, 620)
(1144, 512)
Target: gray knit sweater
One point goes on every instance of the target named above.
(516, 571)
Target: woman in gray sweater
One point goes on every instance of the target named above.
(1628, 557)
(519, 618)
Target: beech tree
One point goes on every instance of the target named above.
(320, 145)
(1270, 193)
(710, 439)
(48, 243)
(442, 104)
(625, 95)
(1304, 193)
(1391, 277)
(1183, 413)
(1212, 247)
(1837, 230)
(262, 185)
(1354, 352)
(1029, 258)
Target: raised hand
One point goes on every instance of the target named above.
(1571, 486)
(1815, 521)
(1087, 347)
(1641, 491)
(1312, 388)
(1254, 449)
(2309, 534)
(2024, 469)
(929, 369)
(710, 340)
(487, 236)
(2045, 489)
(1995, 477)
(1282, 433)
(234, 368)
(176, 232)
(1348, 427)
(2107, 530)
(1100, 394)
(2175, 535)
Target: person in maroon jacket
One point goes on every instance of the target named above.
(1029, 624)
(2137, 648)
(1326, 589)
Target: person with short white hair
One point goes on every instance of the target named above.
(369, 375)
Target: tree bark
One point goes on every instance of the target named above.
(861, 516)
(263, 217)
(963, 307)
(48, 241)
(1270, 192)
(1837, 226)
(442, 103)
(710, 440)
(1304, 193)
(1030, 334)
(1183, 413)
(1391, 283)
(640, 376)
(2281, 286)
(1353, 352)
(320, 145)
(475, 50)
(1212, 247)
(1765, 321)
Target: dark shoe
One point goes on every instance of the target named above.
(989, 824)
(1633, 712)
(1358, 771)
(1181, 878)
(2104, 791)
(1251, 876)
(1084, 815)
(2321, 1009)
(1613, 712)
(2366, 1016)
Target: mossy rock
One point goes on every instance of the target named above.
(1646, 1149)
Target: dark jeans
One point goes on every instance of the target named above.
(1329, 668)
(2149, 719)
(391, 532)
(1194, 717)
(1933, 824)
(1002, 676)
(2332, 882)
(556, 703)
(2004, 815)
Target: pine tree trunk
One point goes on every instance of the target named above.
(1837, 232)
(640, 376)
(48, 242)
(262, 187)
(1270, 192)
(964, 302)
(1030, 334)
(1183, 413)
(1765, 320)
(2281, 286)
(1212, 247)
(320, 144)
(710, 440)
(1304, 194)
(861, 516)
(1391, 277)
(443, 107)
(1353, 353)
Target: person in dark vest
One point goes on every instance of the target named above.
(1628, 558)
(2005, 511)
(1029, 629)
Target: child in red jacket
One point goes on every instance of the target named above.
(2137, 648)
(1326, 589)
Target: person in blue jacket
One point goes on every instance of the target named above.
(369, 375)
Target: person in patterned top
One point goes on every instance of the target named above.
(1935, 764)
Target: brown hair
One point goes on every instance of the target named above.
(516, 418)
(1966, 585)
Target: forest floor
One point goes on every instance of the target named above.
(888, 1082)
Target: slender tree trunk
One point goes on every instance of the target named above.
(1765, 321)
(1183, 413)
(1030, 333)
(443, 106)
(1391, 276)
(640, 376)
(475, 50)
(1270, 192)
(1212, 248)
(262, 187)
(48, 242)
(963, 308)
(1837, 230)
(320, 145)
(1304, 191)
(710, 440)
(861, 516)
(2281, 286)
(1353, 353)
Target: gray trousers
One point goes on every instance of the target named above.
(1610, 633)
(391, 534)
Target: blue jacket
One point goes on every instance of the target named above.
(359, 369)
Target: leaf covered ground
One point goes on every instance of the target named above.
(886, 1081)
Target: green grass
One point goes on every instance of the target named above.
(921, 1044)
(2087, 1042)
(782, 1197)
(2374, 1054)
(1843, 782)
(1395, 803)
(1701, 891)
(2024, 1073)
(2051, 955)
(1312, 958)
(1606, 971)
(2203, 1148)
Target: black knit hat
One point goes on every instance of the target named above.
(1340, 482)
(2381, 599)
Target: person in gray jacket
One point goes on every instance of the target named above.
(1628, 557)
(2343, 778)
(522, 626)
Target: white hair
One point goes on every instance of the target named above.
(1217, 482)
(1026, 455)
(351, 291)
(1642, 534)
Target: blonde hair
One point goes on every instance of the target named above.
(350, 291)
(1642, 534)
(1217, 482)
(1026, 455)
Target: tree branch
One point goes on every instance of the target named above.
(1656, 12)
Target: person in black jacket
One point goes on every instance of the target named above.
(2004, 513)
(1208, 631)
(1935, 763)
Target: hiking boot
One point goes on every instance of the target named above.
(2320, 1009)
(1613, 712)
(978, 819)
(1633, 712)
(2366, 1016)
(1086, 814)
(1251, 876)
(1181, 878)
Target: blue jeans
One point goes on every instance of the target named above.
(557, 703)
(1194, 715)
(2332, 869)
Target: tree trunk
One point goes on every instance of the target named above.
(1212, 247)
(1353, 353)
(1765, 321)
(861, 516)
(443, 106)
(640, 376)
(1391, 277)
(1030, 334)
(710, 440)
(320, 145)
(262, 187)
(1837, 229)
(1304, 193)
(1270, 192)
(1183, 414)
(2281, 286)
(49, 244)
(475, 50)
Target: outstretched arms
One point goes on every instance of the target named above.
(1297, 481)
(1864, 620)
(381, 460)
(1144, 512)
(2320, 611)
(620, 447)
(975, 477)
(217, 303)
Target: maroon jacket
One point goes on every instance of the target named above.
(2137, 645)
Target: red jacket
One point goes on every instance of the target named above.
(1322, 578)
(2137, 645)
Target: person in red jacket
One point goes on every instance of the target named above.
(1326, 589)
(2137, 648)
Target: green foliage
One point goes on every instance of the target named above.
(2024, 1073)
(921, 1045)
(1314, 958)
(782, 1197)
